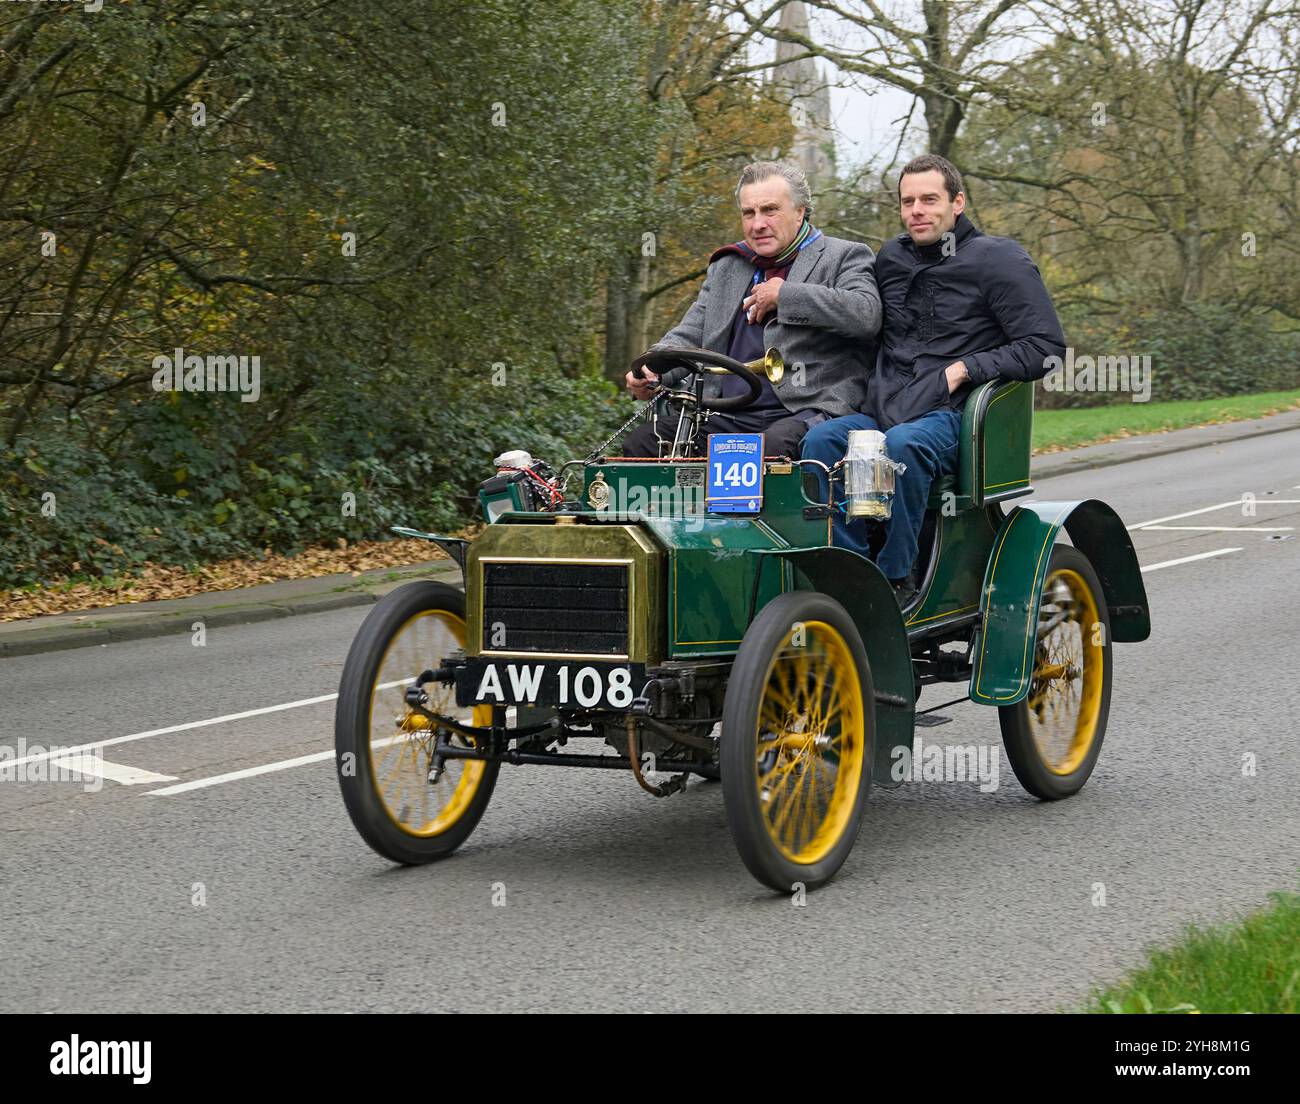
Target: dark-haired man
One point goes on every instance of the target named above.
(960, 308)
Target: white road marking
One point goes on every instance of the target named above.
(1220, 528)
(1217, 506)
(1189, 559)
(37, 756)
(115, 772)
(247, 772)
(253, 772)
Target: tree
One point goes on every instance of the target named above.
(1160, 159)
(945, 54)
(713, 117)
(403, 211)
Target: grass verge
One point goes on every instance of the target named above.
(1056, 430)
(1251, 966)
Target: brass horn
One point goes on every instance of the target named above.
(771, 365)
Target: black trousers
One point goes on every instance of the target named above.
(780, 438)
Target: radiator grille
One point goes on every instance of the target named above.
(555, 607)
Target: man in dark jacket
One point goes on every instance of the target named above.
(960, 308)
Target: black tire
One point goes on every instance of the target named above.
(395, 643)
(1034, 729)
(757, 763)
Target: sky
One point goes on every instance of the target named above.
(867, 115)
(868, 123)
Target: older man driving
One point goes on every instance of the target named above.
(785, 285)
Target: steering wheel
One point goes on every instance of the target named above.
(661, 360)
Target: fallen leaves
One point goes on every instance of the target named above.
(158, 581)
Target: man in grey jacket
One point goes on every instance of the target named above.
(788, 286)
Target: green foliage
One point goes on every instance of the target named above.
(1197, 351)
(221, 507)
(1140, 1004)
(460, 324)
(1141, 174)
(426, 220)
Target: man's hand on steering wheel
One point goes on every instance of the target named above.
(666, 358)
(642, 388)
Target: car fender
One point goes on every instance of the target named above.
(454, 546)
(857, 584)
(1002, 660)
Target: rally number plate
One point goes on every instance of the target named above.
(569, 684)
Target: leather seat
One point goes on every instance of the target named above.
(996, 432)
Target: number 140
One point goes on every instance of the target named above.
(737, 475)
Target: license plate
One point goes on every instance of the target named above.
(569, 684)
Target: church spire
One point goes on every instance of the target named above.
(801, 83)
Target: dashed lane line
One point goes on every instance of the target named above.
(1217, 506)
(247, 772)
(1219, 528)
(253, 772)
(37, 756)
(1189, 559)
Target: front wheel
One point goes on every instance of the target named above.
(1053, 736)
(798, 733)
(404, 809)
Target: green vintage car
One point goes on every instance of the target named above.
(613, 619)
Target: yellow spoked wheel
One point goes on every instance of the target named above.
(798, 733)
(406, 805)
(1053, 737)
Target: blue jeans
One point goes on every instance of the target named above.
(929, 448)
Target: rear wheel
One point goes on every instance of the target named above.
(385, 750)
(798, 733)
(1053, 737)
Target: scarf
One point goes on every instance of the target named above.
(806, 236)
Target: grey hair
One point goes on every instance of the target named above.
(794, 177)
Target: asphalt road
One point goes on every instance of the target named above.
(256, 894)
